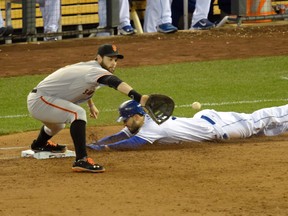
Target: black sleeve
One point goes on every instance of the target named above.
(110, 80)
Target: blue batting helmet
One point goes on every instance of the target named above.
(128, 109)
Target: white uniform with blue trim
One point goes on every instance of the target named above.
(157, 12)
(177, 129)
(206, 125)
(211, 125)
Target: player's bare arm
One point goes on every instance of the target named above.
(128, 90)
(93, 109)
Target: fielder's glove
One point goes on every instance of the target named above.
(159, 107)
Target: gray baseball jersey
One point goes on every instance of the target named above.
(75, 83)
(55, 99)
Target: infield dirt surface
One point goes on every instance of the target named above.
(239, 177)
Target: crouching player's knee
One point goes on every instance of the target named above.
(80, 114)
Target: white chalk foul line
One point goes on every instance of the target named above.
(10, 157)
(176, 106)
(10, 148)
(284, 77)
(235, 102)
(14, 116)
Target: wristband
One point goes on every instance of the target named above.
(135, 95)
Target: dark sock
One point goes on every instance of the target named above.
(78, 134)
(42, 138)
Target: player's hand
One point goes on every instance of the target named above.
(93, 111)
(144, 99)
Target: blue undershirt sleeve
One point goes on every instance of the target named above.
(131, 143)
(113, 138)
(106, 140)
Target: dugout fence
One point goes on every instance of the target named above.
(79, 18)
(258, 11)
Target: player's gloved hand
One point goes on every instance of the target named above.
(96, 147)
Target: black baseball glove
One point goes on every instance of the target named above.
(159, 107)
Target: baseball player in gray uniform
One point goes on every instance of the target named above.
(206, 125)
(55, 102)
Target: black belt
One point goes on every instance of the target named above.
(34, 91)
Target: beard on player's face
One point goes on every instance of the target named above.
(103, 65)
(134, 128)
(109, 63)
(134, 123)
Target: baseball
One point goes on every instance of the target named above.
(196, 105)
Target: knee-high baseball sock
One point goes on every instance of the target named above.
(78, 134)
(42, 138)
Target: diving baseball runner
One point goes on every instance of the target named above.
(206, 125)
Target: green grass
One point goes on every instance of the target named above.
(227, 85)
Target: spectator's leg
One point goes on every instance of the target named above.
(125, 27)
(102, 12)
(165, 15)
(200, 19)
(164, 24)
(51, 15)
(202, 8)
(158, 13)
(152, 15)
(124, 14)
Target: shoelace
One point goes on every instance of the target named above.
(49, 142)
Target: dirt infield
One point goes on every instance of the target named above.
(233, 178)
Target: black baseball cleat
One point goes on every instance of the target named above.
(50, 146)
(87, 165)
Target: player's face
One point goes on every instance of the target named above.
(134, 123)
(109, 63)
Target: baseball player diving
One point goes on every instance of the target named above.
(55, 102)
(206, 125)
